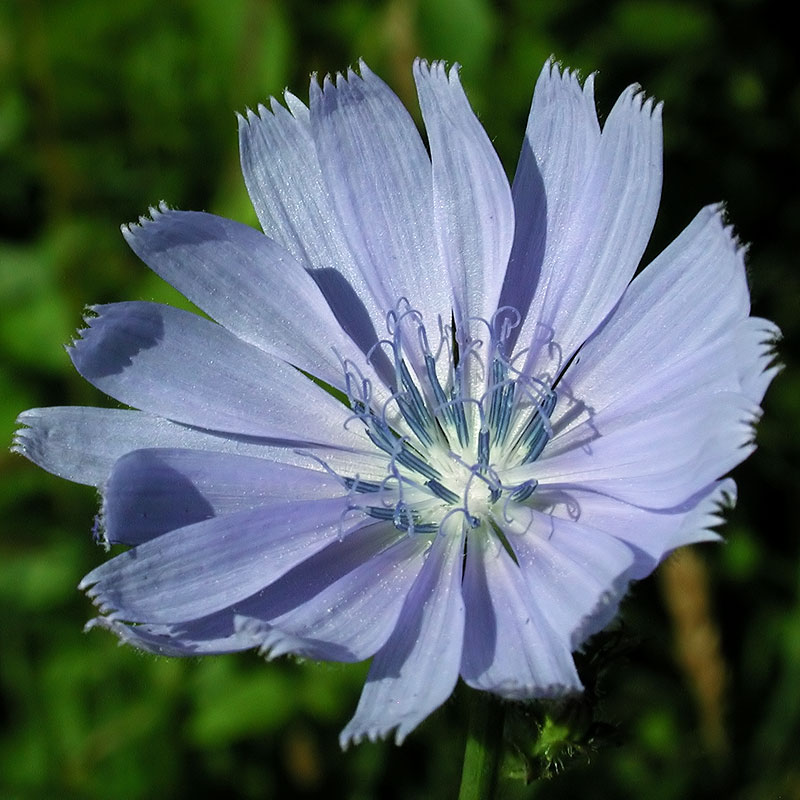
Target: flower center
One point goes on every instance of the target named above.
(450, 430)
(478, 498)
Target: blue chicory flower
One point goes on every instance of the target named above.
(436, 421)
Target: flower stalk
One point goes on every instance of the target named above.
(484, 749)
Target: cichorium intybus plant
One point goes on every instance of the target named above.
(433, 420)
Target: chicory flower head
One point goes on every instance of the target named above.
(434, 421)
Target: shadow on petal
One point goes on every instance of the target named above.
(113, 339)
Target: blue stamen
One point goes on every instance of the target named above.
(379, 512)
(438, 393)
(483, 449)
(507, 407)
(503, 422)
(362, 486)
(414, 422)
(501, 404)
(381, 436)
(524, 491)
(536, 433)
(384, 438)
(412, 405)
(442, 491)
(457, 404)
(426, 527)
(410, 387)
(499, 374)
(411, 460)
(402, 517)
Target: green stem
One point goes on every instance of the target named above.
(484, 748)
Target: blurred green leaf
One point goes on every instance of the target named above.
(40, 577)
(458, 30)
(36, 322)
(233, 703)
(658, 26)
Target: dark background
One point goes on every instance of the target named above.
(107, 108)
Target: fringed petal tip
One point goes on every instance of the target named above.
(354, 736)
(606, 607)
(92, 586)
(269, 642)
(41, 439)
(330, 83)
(127, 635)
(359, 730)
(108, 610)
(263, 113)
(635, 104)
(57, 440)
(120, 629)
(144, 638)
(106, 624)
(633, 96)
(553, 71)
(521, 692)
(90, 313)
(250, 118)
(130, 229)
(438, 69)
(758, 357)
(698, 525)
(355, 732)
(29, 440)
(719, 213)
(23, 441)
(349, 79)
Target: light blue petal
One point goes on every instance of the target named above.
(557, 154)
(680, 331)
(659, 462)
(151, 492)
(703, 514)
(249, 284)
(365, 576)
(341, 604)
(206, 567)
(575, 573)
(599, 214)
(509, 646)
(177, 365)
(82, 444)
(472, 206)
(651, 533)
(289, 193)
(662, 387)
(756, 342)
(208, 636)
(416, 670)
(379, 177)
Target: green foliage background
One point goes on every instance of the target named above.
(107, 108)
